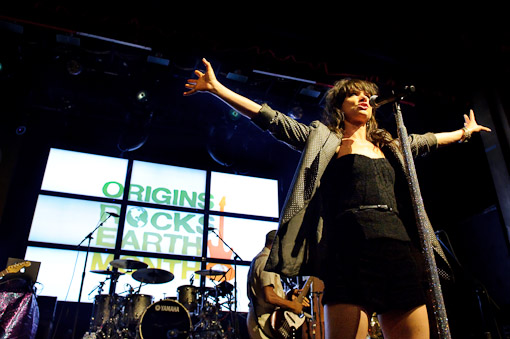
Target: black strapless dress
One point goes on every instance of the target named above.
(370, 259)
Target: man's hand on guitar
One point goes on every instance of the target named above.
(296, 307)
(295, 294)
(289, 317)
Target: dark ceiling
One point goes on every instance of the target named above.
(71, 87)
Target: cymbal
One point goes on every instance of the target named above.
(128, 264)
(209, 272)
(152, 276)
(107, 272)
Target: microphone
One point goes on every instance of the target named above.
(113, 214)
(377, 101)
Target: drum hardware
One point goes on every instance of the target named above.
(204, 304)
(209, 325)
(136, 316)
(105, 320)
(99, 287)
(115, 316)
(224, 288)
(107, 272)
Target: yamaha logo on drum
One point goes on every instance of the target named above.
(166, 308)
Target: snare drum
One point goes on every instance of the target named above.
(166, 318)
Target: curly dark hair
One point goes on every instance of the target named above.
(333, 117)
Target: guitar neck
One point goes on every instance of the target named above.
(304, 290)
(14, 268)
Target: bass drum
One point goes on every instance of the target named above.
(164, 319)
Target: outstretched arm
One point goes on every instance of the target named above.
(470, 126)
(207, 82)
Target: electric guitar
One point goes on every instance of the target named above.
(285, 323)
(15, 268)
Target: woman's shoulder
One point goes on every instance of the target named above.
(321, 127)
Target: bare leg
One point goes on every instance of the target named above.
(412, 324)
(345, 321)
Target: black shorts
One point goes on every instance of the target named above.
(379, 275)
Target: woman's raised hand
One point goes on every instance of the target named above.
(471, 124)
(205, 81)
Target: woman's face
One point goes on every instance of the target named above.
(356, 108)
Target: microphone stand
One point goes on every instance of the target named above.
(89, 237)
(424, 229)
(236, 257)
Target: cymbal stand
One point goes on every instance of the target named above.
(99, 287)
(139, 288)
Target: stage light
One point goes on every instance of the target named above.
(15, 28)
(234, 115)
(68, 40)
(237, 77)
(310, 92)
(158, 60)
(74, 67)
(20, 130)
(141, 96)
(220, 144)
(137, 124)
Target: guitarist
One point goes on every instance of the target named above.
(266, 293)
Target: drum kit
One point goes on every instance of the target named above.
(194, 313)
